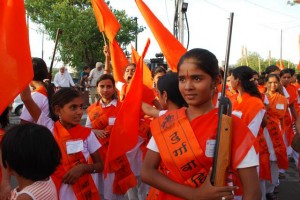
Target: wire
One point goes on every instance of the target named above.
(188, 31)
(167, 13)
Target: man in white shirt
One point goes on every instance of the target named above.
(94, 75)
(63, 79)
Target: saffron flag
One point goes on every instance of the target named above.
(280, 65)
(106, 20)
(124, 135)
(299, 66)
(118, 60)
(147, 77)
(15, 58)
(169, 45)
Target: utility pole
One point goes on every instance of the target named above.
(179, 18)
(280, 45)
(136, 32)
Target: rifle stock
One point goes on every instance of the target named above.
(222, 154)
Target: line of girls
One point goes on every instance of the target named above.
(269, 105)
(182, 140)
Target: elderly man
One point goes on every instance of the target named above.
(63, 79)
(94, 75)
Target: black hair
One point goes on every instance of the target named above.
(40, 74)
(85, 68)
(262, 79)
(157, 70)
(130, 64)
(31, 151)
(284, 71)
(4, 120)
(170, 83)
(292, 71)
(107, 77)
(62, 97)
(271, 68)
(204, 59)
(245, 74)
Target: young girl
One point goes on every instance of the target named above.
(42, 91)
(101, 118)
(77, 143)
(31, 154)
(184, 139)
(156, 73)
(273, 132)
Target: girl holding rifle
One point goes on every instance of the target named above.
(184, 139)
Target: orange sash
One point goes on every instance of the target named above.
(274, 115)
(264, 157)
(182, 143)
(124, 178)
(41, 90)
(84, 188)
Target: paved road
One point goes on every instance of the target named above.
(289, 188)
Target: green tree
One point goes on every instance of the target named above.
(253, 62)
(81, 43)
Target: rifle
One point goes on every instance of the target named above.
(58, 32)
(222, 154)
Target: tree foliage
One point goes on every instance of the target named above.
(254, 58)
(81, 43)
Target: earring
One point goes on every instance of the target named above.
(59, 117)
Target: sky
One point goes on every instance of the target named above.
(257, 25)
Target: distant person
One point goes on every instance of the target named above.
(93, 77)
(83, 82)
(63, 79)
(30, 153)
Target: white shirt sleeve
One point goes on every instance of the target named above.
(254, 125)
(46, 121)
(250, 160)
(88, 122)
(93, 143)
(41, 101)
(162, 112)
(266, 100)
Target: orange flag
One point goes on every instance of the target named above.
(124, 135)
(118, 60)
(280, 65)
(15, 59)
(299, 66)
(169, 45)
(147, 77)
(106, 20)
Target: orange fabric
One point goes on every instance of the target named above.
(84, 188)
(169, 45)
(147, 77)
(297, 103)
(106, 20)
(124, 178)
(15, 58)
(261, 89)
(298, 66)
(41, 90)
(264, 157)
(292, 90)
(124, 133)
(182, 145)
(280, 64)
(118, 60)
(249, 106)
(274, 115)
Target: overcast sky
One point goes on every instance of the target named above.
(257, 25)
